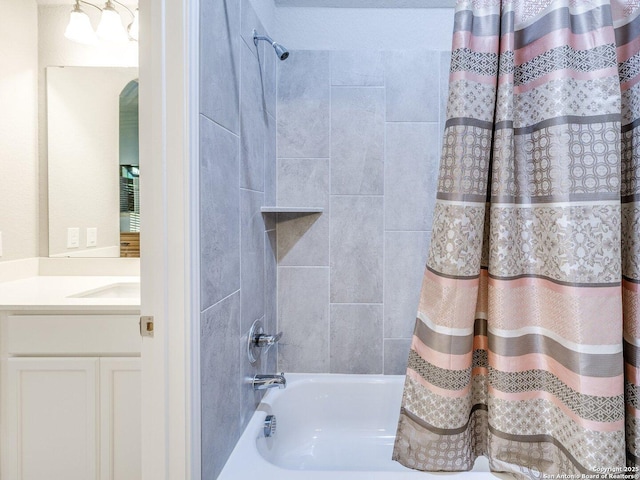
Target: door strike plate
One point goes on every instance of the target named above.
(146, 326)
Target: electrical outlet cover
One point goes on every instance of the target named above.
(73, 237)
(92, 237)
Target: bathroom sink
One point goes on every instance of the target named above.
(115, 290)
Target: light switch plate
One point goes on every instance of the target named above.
(73, 237)
(92, 236)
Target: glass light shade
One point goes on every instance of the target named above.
(110, 28)
(79, 28)
(134, 26)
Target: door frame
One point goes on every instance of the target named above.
(169, 240)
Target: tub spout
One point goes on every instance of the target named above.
(262, 382)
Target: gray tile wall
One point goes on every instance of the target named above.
(359, 134)
(238, 244)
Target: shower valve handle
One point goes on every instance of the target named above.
(258, 342)
(263, 340)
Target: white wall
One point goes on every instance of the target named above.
(324, 26)
(56, 50)
(18, 129)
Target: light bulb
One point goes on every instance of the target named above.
(79, 28)
(110, 28)
(134, 26)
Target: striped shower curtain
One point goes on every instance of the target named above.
(526, 348)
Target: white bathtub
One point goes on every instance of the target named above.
(338, 427)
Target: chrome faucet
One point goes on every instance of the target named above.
(262, 382)
(262, 340)
(258, 342)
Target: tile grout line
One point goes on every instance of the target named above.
(330, 56)
(379, 87)
(428, 122)
(304, 266)
(240, 116)
(226, 297)
(262, 67)
(265, 234)
(276, 320)
(357, 195)
(222, 126)
(356, 303)
(384, 212)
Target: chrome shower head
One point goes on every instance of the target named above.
(281, 52)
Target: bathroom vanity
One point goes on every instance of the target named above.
(70, 378)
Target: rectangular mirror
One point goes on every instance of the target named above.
(92, 138)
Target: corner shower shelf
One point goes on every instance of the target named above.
(292, 209)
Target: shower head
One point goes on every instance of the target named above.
(281, 52)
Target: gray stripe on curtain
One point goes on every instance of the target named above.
(490, 25)
(561, 18)
(485, 26)
(589, 364)
(572, 197)
(562, 120)
(540, 438)
(444, 431)
(628, 32)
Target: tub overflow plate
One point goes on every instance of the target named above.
(270, 426)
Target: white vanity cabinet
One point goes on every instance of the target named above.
(52, 409)
(70, 397)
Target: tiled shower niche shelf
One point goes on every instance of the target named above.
(292, 209)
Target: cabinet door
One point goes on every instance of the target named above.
(120, 411)
(52, 405)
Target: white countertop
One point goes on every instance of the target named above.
(56, 293)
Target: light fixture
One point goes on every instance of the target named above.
(133, 27)
(79, 28)
(110, 28)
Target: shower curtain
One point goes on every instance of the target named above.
(526, 346)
